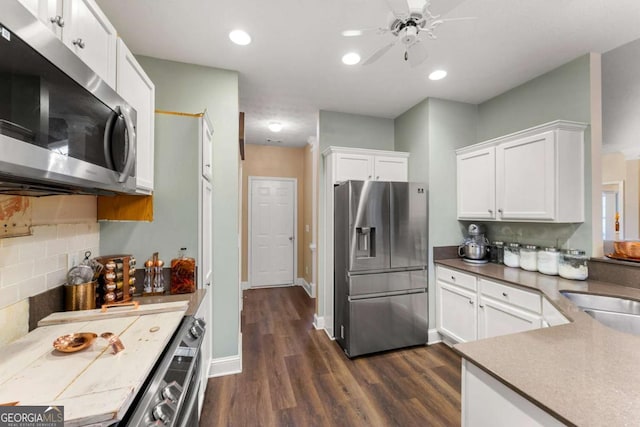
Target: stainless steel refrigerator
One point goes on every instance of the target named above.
(380, 266)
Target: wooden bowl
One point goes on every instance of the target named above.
(627, 248)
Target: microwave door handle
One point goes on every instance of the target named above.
(131, 154)
(108, 132)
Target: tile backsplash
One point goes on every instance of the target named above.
(33, 264)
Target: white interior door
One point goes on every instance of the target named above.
(272, 235)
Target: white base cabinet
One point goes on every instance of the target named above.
(536, 175)
(488, 402)
(469, 307)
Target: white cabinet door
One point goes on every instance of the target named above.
(206, 234)
(390, 168)
(476, 184)
(353, 166)
(526, 178)
(49, 12)
(207, 149)
(204, 312)
(456, 312)
(133, 84)
(496, 318)
(89, 34)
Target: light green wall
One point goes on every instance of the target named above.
(431, 131)
(563, 93)
(412, 135)
(354, 130)
(193, 88)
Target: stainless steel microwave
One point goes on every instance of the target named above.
(63, 130)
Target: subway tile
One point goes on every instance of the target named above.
(62, 261)
(56, 247)
(31, 287)
(32, 251)
(11, 242)
(48, 264)
(56, 278)
(8, 296)
(42, 233)
(15, 273)
(9, 256)
(66, 231)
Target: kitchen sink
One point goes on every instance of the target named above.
(621, 314)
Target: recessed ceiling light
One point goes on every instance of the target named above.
(240, 37)
(438, 75)
(351, 58)
(275, 126)
(352, 33)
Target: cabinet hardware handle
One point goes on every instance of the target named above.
(78, 42)
(57, 20)
(504, 294)
(470, 302)
(500, 211)
(369, 177)
(481, 306)
(490, 211)
(453, 278)
(378, 177)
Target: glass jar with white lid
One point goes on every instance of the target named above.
(548, 259)
(528, 257)
(573, 264)
(511, 255)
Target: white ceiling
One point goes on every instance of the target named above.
(293, 67)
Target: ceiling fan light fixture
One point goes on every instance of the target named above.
(240, 37)
(438, 75)
(351, 58)
(351, 33)
(275, 126)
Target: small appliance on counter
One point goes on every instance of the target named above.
(475, 249)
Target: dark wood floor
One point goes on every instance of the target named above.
(294, 375)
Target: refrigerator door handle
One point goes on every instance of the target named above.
(387, 294)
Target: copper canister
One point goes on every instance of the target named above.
(80, 297)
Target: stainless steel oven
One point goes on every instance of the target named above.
(62, 128)
(169, 397)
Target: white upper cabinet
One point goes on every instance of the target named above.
(476, 184)
(88, 33)
(536, 175)
(84, 29)
(133, 84)
(362, 164)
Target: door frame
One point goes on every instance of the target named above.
(295, 224)
(619, 199)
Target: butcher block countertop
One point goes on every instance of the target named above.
(583, 372)
(95, 386)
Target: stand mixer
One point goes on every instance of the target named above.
(475, 248)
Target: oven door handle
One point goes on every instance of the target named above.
(131, 143)
(189, 406)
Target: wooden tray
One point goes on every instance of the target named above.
(621, 258)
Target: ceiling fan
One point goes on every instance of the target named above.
(411, 26)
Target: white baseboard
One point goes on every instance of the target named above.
(318, 321)
(244, 285)
(309, 288)
(225, 366)
(433, 337)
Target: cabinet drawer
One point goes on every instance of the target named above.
(457, 278)
(524, 299)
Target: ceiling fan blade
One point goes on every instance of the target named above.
(464, 18)
(378, 54)
(416, 54)
(440, 7)
(400, 8)
(362, 31)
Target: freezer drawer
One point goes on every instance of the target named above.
(385, 323)
(364, 284)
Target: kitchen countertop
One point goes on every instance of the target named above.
(583, 372)
(194, 300)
